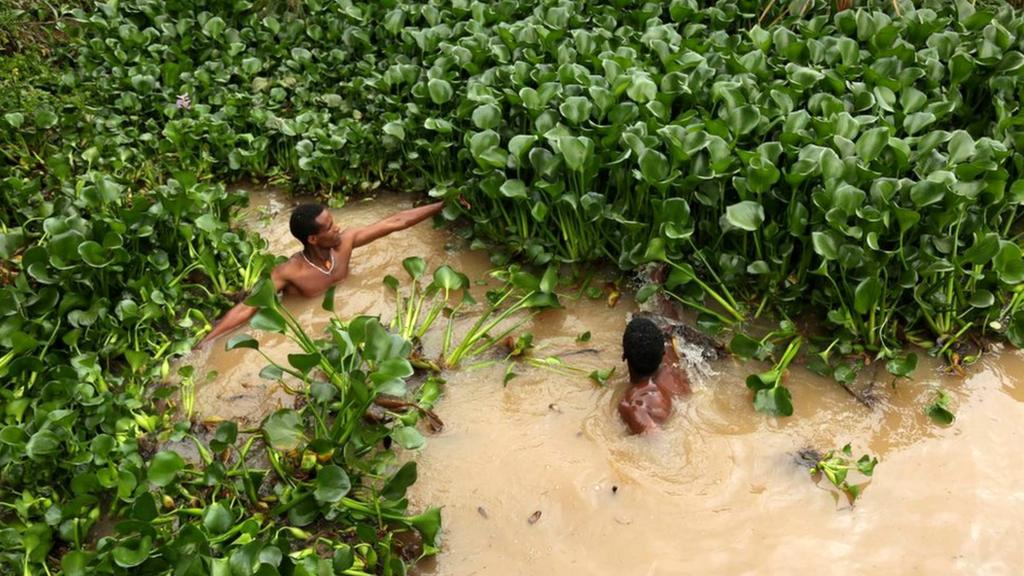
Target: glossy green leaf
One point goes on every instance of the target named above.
(775, 401)
(242, 341)
(218, 518)
(283, 430)
(440, 90)
(332, 484)
(129, 556)
(746, 215)
(164, 467)
(867, 294)
(269, 320)
(902, 366)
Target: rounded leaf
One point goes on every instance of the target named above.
(164, 467)
(440, 90)
(487, 116)
(218, 519)
(746, 215)
(332, 484)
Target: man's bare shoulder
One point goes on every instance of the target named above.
(286, 270)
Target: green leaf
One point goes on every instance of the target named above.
(214, 27)
(75, 563)
(414, 267)
(304, 362)
(395, 130)
(43, 443)
(520, 144)
(744, 346)
(13, 436)
(746, 215)
(902, 366)
(914, 123)
(514, 188)
(283, 430)
(128, 557)
(332, 484)
(242, 341)
(926, 193)
(576, 109)
(866, 295)
(269, 320)
(577, 151)
(344, 558)
(871, 143)
(93, 254)
(400, 482)
(774, 401)
(328, 301)
(983, 250)
(487, 116)
(961, 147)
(164, 467)
(440, 90)
(218, 518)
(15, 119)
(45, 119)
(938, 410)
(1009, 264)
(264, 296)
(654, 166)
(743, 119)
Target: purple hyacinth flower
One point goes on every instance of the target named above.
(184, 103)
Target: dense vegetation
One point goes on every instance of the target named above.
(861, 165)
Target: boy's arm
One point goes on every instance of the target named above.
(636, 417)
(400, 221)
(240, 313)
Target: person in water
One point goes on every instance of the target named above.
(655, 376)
(324, 258)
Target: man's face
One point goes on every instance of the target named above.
(329, 235)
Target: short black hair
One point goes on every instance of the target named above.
(643, 346)
(303, 222)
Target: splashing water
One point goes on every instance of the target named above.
(694, 359)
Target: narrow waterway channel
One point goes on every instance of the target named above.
(539, 477)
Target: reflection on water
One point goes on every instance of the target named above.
(717, 491)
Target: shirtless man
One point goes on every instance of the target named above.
(652, 382)
(324, 258)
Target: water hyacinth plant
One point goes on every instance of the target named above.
(854, 161)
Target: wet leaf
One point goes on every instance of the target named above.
(746, 215)
(242, 341)
(218, 518)
(283, 430)
(774, 401)
(164, 468)
(902, 366)
(400, 482)
(332, 484)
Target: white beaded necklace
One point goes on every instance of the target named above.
(319, 269)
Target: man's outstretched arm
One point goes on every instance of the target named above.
(394, 223)
(240, 313)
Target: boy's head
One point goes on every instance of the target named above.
(313, 224)
(643, 346)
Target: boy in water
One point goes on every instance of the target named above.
(653, 382)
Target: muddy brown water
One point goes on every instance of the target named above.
(717, 491)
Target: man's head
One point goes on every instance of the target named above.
(643, 346)
(313, 225)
